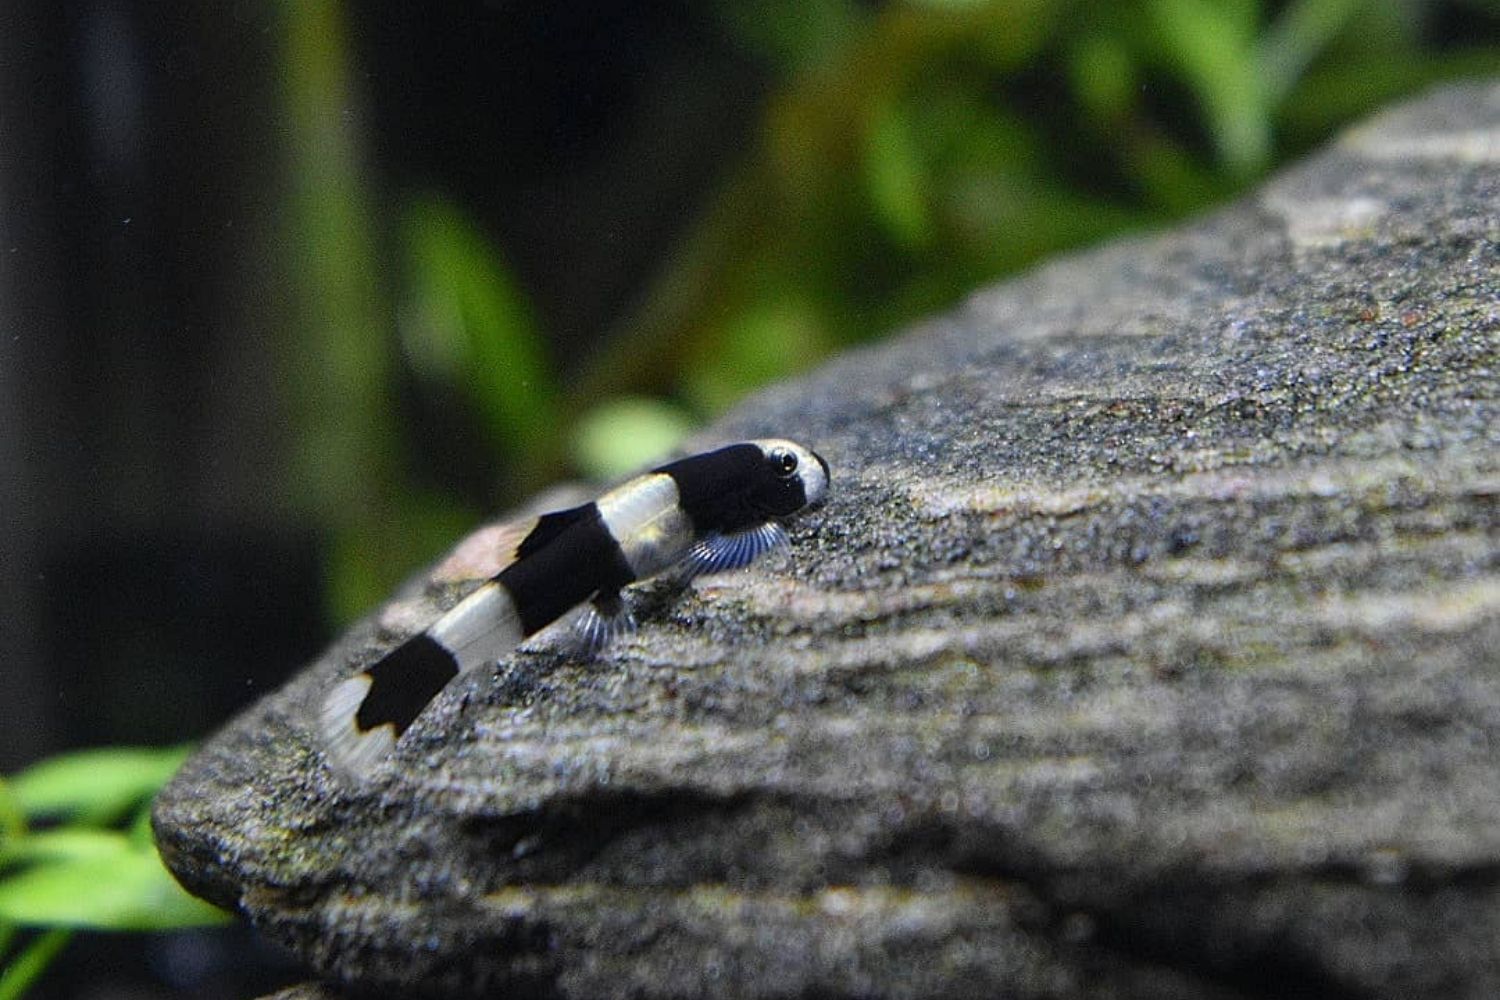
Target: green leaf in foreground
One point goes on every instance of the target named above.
(128, 891)
(21, 971)
(94, 786)
(12, 818)
(65, 844)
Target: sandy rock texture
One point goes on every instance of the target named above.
(1149, 646)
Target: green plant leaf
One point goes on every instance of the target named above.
(129, 891)
(1331, 97)
(950, 4)
(1212, 47)
(763, 341)
(335, 366)
(627, 434)
(66, 844)
(467, 322)
(12, 818)
(139, 831)
(94, 786)
(1302, 30)
(895, 178)
(19, 973)
(1102, 71)
(795, 33)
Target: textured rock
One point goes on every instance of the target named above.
(1147, 647)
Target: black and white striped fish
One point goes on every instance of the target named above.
(707, 513)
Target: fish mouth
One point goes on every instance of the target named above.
(822, 493)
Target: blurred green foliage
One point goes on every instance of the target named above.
(76, 854)
(908, 153)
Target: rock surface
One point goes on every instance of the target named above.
(1147, 647)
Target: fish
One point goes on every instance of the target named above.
(706, 513)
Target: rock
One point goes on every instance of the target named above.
(1147, 647)
(304, 991)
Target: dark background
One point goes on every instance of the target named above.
(156, 571)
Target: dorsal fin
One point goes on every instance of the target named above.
(549, 526)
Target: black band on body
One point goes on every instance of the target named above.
(580, 560)
(713, 488)
(735, 488)
(404, 681)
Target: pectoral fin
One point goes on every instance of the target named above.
(717, 553)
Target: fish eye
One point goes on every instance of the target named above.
(784, 462)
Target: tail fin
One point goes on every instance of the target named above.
(364, 716)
